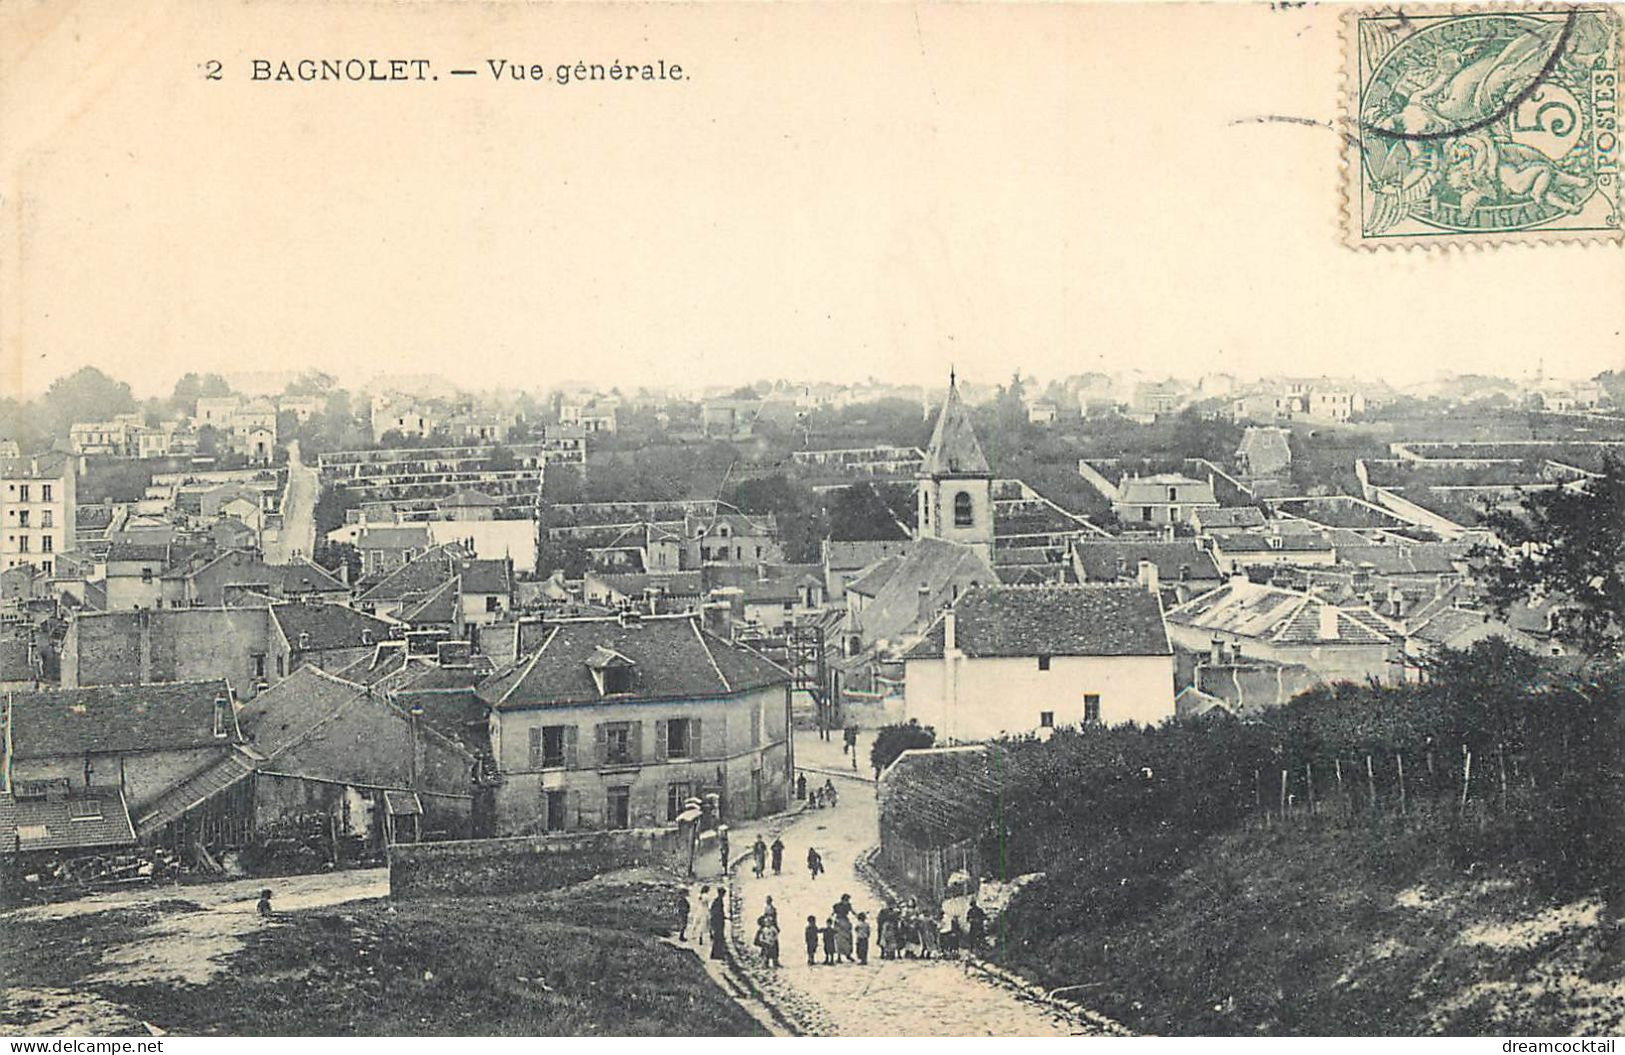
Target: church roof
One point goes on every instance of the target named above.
(954, 450)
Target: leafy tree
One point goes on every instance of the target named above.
(893, 740)
(85, 395)
(563, 485)
(1568, 546)
(502, 460)
(191, 387)
(331, 507)
(336, 555)
(793, 505)
(860, 512)
(311, 383)
(21, 422)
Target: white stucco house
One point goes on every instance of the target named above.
(1029, 659)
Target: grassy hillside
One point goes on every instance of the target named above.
(1335, 932)
(583, 961)
(1438, 858)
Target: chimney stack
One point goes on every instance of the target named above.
(950, 632)
(1148, 575)
(1328, 622)
(923, 609)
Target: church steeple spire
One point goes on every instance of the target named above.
(954, 450)
(954, 496)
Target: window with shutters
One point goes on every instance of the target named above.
(547, 747)
(618, 748)
(679, 738)
(1091, 709)
(677, 796)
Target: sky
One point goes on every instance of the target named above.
(833, 192)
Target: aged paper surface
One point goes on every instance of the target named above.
(448, 339)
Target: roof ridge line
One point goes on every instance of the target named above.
(529, 666)
(694, 624)
(325, 720)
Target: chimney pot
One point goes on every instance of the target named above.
(1148, 575)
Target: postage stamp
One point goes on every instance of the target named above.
(1482, 125)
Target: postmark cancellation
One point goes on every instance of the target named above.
(1482, 125)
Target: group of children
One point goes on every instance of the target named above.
(817, 798)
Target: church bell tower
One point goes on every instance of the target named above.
(954, 493)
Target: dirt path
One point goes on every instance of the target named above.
(884, 998)
(187, 944)
(298, 534)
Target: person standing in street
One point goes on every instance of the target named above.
(767, 939)
(722, 850)
(811, 934)
(702, 924)
(862, 932)
(683, 908)
(841, 922)
(719, 926)
(758, 853)
(827, 932)
(778, 854)
(815, 863)
(977, 919)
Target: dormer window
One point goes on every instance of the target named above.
(611, 671)
(366, 637)
(304, 639)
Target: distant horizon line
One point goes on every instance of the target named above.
(244, 381)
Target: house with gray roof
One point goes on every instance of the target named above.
(138, 740)
(1336, 641)
(1161, 498)
(1018, 660)
(618, 722)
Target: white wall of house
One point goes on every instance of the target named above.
(1332, 662)
(1011, 695)
(493, 539)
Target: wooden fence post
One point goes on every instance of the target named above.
(1371, 781)
(1283, 795)
(1309, 782)
(1466, 774)
(1501, 758)
(1399, 761)
(1337, 764)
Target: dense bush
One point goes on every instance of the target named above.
(1115, 816)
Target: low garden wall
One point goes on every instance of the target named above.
(534, 862)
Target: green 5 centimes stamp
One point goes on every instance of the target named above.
(1492, 124)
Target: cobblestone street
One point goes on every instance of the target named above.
(887, 998)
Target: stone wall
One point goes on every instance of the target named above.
(537, 862)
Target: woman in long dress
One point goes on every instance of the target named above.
(843, 934)
(719, 927)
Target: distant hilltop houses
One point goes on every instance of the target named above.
(552, 616)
